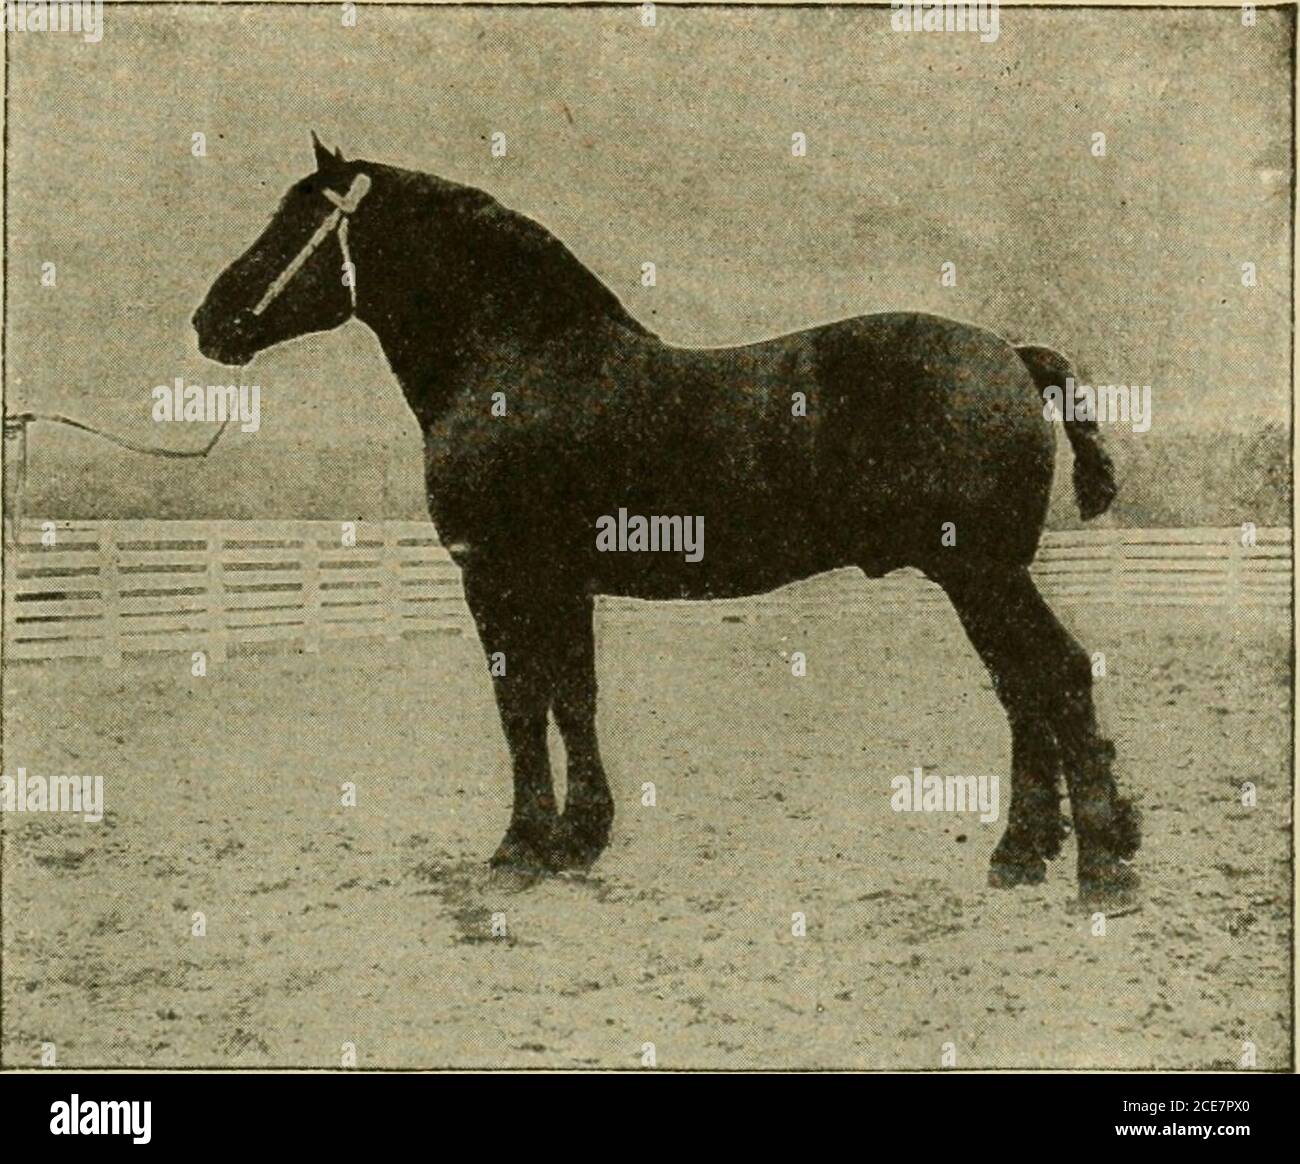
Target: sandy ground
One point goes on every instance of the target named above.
(372, 925)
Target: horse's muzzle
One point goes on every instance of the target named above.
(231, 344)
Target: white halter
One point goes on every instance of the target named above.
(337, 219)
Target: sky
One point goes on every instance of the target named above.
(670, 145)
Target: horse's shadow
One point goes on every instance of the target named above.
(473, 894)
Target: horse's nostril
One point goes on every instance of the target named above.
(202, 318)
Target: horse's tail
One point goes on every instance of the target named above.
(1094, 472)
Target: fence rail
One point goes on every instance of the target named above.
(106, 589)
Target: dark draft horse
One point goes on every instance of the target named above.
(908, 425)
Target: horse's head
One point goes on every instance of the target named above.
(294, 278)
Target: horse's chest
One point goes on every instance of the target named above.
(475, 476)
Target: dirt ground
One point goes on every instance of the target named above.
(372, 925)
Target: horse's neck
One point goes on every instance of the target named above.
(443, 326)
(438, 343)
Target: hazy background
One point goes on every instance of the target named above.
(669, 144)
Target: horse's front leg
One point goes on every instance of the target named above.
(515, 628)
(1034, 828)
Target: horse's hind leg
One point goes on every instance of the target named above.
(1033, 834)
(1042, 672)
(1105, 823)
(583, 830)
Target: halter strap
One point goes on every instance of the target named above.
(337, 219)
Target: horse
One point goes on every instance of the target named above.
(879, 442)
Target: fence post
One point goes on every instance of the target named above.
(311, 608)
(110, 586)
(218, 634)
(10, 551)
(392, 586)
(1236, 565)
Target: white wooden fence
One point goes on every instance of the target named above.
(102, 589)
(106, 589)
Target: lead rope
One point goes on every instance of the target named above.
(18, 422)
(15, 424)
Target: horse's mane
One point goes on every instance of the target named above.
(524, 250)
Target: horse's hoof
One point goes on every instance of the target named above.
(1109, 887)
(1006, 874)
(1018, 858)
(522, 854)
(577, 841)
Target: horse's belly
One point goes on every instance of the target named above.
(725, 567)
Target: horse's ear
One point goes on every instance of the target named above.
(325, 161)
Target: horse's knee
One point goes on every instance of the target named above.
(574, 703)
